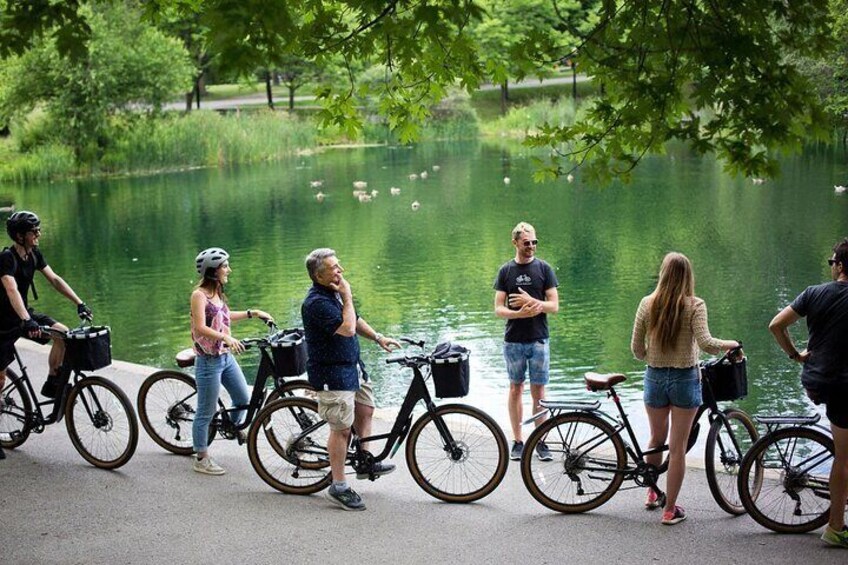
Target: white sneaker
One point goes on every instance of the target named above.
(207, 466)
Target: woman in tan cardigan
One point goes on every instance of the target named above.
(670, 328)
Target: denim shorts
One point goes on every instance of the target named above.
(670, 385)
(533, 355)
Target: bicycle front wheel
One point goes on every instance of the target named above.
(298, 387)
(287, 446)
(587, 466)
(731, 435)
(167, 404)
(15, 411)
(101, 422)
(466, 470)
(793, 496)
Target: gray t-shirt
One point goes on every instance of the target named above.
(826, 308)
(535, 278)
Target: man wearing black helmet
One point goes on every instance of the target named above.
(18, 265)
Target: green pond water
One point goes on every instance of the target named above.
(128, 246)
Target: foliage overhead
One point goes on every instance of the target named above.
(720, 76)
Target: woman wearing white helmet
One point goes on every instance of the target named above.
(215, 364)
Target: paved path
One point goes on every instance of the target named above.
(281, 97)
(56, 508)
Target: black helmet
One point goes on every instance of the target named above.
(211, 258)
(21, 222)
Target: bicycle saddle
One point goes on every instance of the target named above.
(185, 358)
(597, 381)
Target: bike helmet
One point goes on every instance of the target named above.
(210, 259)
(21, 222)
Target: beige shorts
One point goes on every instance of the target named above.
(337, 406)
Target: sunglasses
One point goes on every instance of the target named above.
(531, 243)
(831, 262)
(36, 231)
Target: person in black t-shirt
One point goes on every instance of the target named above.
(18, 265)
(825, 372)
(525, 293)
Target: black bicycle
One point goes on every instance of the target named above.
(167, 400)
(784, 479)
(591, 460)
(455, 452)
(99, 416)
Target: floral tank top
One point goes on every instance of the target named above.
(218, 319)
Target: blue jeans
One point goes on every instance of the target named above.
(210, 373)
(670, 385)
(533, 355)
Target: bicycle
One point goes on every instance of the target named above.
(793, 459)
(167, 400)
(99, 416)
(591, 460)
(456, 453)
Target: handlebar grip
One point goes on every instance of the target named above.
(411, 341)
(398, 359)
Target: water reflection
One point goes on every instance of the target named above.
(128, 246)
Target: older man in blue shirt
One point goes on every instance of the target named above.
(345, 396)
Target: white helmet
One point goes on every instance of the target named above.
(211, 258)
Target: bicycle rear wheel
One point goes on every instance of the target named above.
(472, 469)
(731, 435)
(167, 403)
(795, 464)
(587, 466)
(285, 457)
(101, 422)
(15, 411)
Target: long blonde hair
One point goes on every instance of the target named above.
(665, 313)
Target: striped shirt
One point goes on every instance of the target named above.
(694, 334)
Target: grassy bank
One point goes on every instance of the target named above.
(140, 145)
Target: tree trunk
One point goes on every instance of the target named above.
(189, 97)
(504, 96)
(268, 89)
(291, 98)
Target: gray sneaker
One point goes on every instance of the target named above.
(207, 466)
(346, 499)
(543, 452)
(517, 450)
(378, 470)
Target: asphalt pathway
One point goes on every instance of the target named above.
(56, 508)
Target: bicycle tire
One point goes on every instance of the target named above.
(15, 413)
(471, 472)
(167, 403)
(795, 464)
(731, 435)
(291, 467)
(299, 387)
(101, 423)
(586, 450)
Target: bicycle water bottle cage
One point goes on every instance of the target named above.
(185, 358)
(788, 420)
(597, 381)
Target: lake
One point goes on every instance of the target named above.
(127, 246)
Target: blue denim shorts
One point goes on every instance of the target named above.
(670, 385)
(533, 355)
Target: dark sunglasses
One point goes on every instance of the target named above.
(36, 231)
(531, 243)
(831, 262)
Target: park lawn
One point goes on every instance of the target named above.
(487, 103)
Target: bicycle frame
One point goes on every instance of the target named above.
(403, 422)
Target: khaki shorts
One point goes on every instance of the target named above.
(337, 406)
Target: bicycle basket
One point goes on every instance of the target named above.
(449, 367)
(728, 379)
(88, 348)
(288, 350)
